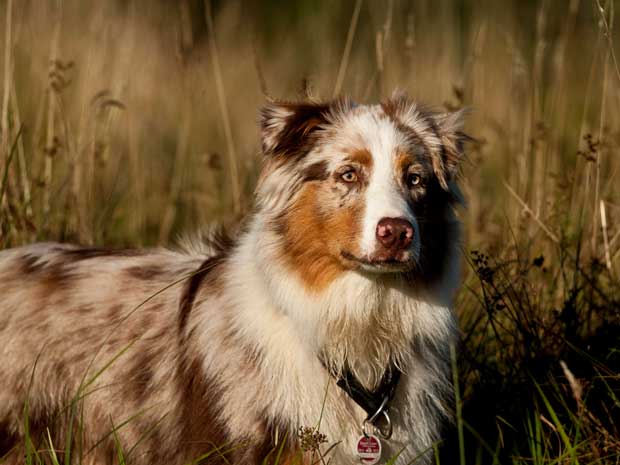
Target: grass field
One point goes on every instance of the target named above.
(129, 122)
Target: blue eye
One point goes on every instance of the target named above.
(413, 179)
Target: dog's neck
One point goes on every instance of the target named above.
(360, 322)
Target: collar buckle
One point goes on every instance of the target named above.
(385, 431)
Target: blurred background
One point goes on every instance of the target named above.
(129, 122)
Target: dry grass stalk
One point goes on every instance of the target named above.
(344, 63)
(8, 76)
(232, 158)
(605, 238)
(532, 215)
(51, 146)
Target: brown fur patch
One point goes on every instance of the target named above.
(362, 157)
(316, 172)
(96, 252)
(402, 163)
(142, 376)
(315, 238)
(391, 108)
(53, 276)
(295, 132)
(31, 264)
(201, 430)
(115, 312)
(192, 287)
(145, 272)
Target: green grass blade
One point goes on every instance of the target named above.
(459, 406)
(558, 424)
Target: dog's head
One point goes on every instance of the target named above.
(358, 187)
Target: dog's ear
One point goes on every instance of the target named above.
(449, 127)
(291, 128)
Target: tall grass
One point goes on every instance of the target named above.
(127, 122)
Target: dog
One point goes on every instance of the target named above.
(322, 322)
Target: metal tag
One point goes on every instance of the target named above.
(369, 449)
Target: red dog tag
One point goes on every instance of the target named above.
(369, 449)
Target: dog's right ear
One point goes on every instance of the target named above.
(290, 129)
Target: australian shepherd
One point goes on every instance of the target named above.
(318, 330)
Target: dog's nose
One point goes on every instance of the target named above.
(394, 233)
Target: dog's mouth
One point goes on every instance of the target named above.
(401, 261)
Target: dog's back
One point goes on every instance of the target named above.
(91, 325)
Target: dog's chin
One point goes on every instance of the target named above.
(394, 263)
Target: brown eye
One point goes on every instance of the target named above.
(349, 176)
(413, 179)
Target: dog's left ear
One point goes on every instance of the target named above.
(449, 127)
(290, 129)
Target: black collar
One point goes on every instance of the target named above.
(374, 402)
